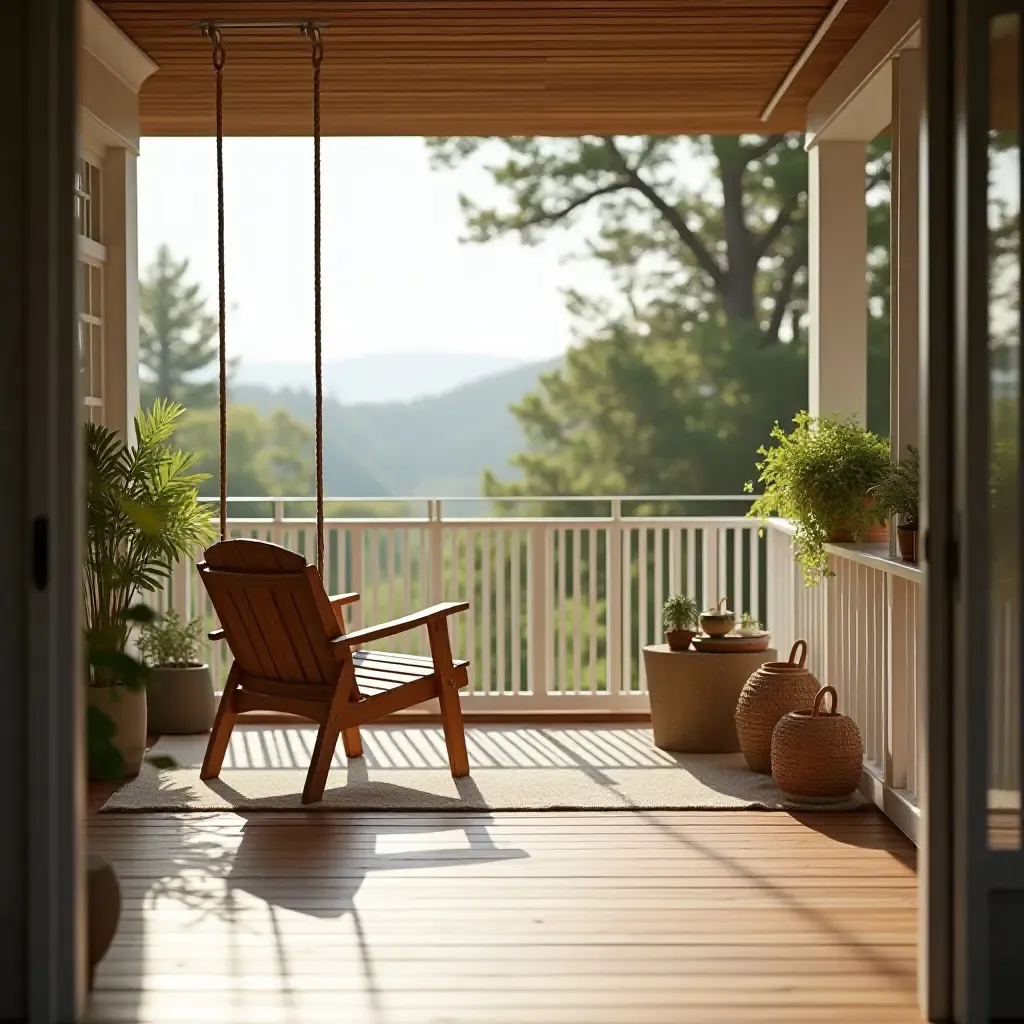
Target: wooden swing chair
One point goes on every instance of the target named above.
(291, 653)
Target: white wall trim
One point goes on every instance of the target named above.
(854, 103)
(97, 136)
(109, 45)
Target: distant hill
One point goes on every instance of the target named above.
(377, 379)
(435, 446)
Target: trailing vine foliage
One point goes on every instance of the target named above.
(820, 476)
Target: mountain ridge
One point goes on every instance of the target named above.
(433, 446)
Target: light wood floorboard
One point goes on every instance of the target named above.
(603, 918)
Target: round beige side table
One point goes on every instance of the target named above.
(693, 697)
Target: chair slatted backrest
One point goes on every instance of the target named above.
(275, 614)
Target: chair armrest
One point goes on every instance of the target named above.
(216, 634)
(403, 625)
(340, 600)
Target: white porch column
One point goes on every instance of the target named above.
(905, 359)
(837, 266)
(121, 288)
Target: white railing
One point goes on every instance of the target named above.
(864, 628)
(560, 608)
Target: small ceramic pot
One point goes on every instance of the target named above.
(906, 538)
(679, 639)
(717, 621)
(180, 700)
(748, 630)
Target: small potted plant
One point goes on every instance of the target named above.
(180, 689)
(717, 621)
(821, 476)
(899, 495)
(679, 618)
(749, 626)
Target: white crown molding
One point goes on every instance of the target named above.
(109, 45)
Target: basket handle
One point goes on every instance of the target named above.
(825, 691)
(802, 644)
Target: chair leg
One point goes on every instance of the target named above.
(320, 765)
(220, 735)
(454, 731)
(352, 742)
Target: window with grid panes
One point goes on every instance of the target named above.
(91, 257)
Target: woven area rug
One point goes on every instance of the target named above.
(405, 768)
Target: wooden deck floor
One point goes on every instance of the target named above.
(611, 918)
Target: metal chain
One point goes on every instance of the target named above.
(219, 56)
(317, 44)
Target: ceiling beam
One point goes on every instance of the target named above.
(854, 102)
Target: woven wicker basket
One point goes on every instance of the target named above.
(817, 753)
(774, 690)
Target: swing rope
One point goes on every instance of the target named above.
(219, 56)
(317, 44)
(313, 33)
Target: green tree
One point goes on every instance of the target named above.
(266, 456)
(672, 388)
(177, 336)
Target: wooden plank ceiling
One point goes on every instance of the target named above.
(490, 67)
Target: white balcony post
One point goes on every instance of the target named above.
(121, 291)
(837, 267)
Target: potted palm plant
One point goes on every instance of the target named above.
(899, 495)
(142, 515)
(820, 476)
(179, 692)
(679, 617)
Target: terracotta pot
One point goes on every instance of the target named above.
(906, 538)
(127, 710)
(103, 902)
(817, 754)
(774, 690)
(679, 639)
(180, 700)
(878, 533)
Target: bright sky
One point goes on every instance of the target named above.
(396, 278)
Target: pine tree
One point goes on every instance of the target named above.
(177, 336)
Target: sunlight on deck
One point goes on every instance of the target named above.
(549, 917)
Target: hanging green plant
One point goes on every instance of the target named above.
(820, 476)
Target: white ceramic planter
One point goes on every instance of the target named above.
(127, 710)
(181, 700)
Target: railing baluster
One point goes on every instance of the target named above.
(561, 683)
(641, 603)
(486, 614)
(516, 624)
(691, 563)
(756, 605)
(538, 631)
(658, 536)
(616, 627)
(592, 540)
(626, 633)
(577, 612)
(500, 582)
